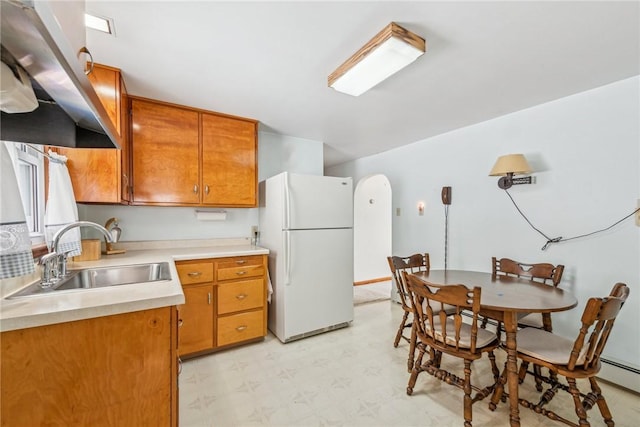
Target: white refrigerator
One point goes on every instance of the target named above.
(306, 222)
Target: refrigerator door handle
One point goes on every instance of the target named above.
(287, 201)
(287, 259)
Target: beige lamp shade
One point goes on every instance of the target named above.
(510, 163)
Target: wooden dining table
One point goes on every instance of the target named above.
(506, 299)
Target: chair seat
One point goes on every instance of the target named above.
(533, 320)
(484, 337)
(547, 346)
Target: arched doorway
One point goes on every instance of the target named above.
(371, 229)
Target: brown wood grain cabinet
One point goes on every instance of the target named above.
(164, 154)
(118, 370)
(183, 156)
(229, 163)
(225, 302)
(195, 316)
(100, 175)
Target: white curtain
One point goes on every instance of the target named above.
(16, 258)
(61, 207)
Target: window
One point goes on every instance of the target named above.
(29, 166)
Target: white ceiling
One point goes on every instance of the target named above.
(270, 61)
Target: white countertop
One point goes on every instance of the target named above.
(66, 306)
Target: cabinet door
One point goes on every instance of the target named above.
(195, 318)
(164, 154)
(229, 172)
(95, 174)
(114, 370)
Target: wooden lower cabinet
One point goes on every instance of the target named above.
(118, 370)
(225, 302)
(240, 327)
(196, 319)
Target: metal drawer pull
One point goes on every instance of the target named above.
(179, 366)
(206, 189)
(240, 273)
(241, 296)
(195, 188)
(209, 298)
(241, 328)
(180, 322)
(241, 261)
(194, 274)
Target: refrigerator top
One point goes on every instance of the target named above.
(314, 201)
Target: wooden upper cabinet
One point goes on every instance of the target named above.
(229, 159)
(95, 174)
(183, 156)
(101, 175)
(164, 154)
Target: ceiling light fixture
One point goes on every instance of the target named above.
(388, 52)
(98, 23)
(509, 165)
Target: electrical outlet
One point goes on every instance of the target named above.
(254, 231)
(638, 214)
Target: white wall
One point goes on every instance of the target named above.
(585, 151)
(279, 153)
(371, 228)
(276, 153)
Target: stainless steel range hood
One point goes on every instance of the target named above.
(32, 37)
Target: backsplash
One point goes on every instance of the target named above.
(143, 223)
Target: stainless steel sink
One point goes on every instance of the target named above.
(102, 277)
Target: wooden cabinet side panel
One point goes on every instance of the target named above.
(113, 370)
(125, 160)
(229, 161)
(164, 153)
(106, 82)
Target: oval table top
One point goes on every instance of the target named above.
(503, 293)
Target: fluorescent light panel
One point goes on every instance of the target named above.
(98, 23)
(388, 52)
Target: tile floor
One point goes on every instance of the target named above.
(349, 377)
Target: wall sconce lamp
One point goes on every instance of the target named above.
(508, 166)
(388, 52)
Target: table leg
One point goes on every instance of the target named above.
(511, 327)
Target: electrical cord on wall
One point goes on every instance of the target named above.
(446, 235)
(556, 239)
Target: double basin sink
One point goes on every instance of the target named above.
(90, 278)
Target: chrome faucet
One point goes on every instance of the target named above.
(59, 260)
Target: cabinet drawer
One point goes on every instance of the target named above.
(240, 272)
(192, 272)
(239, 261)
(239, 296)
(240, 327)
